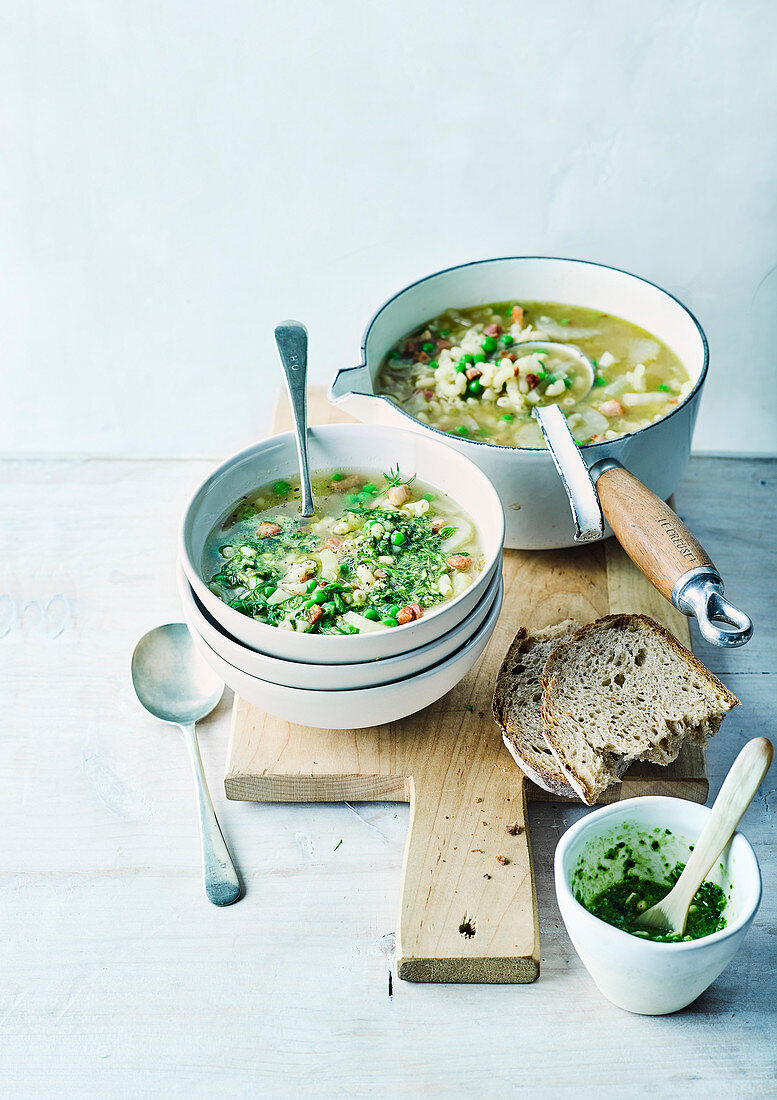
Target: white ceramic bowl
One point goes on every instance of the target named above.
(535, 502)
(363, 707)
(330, 677)
(348, 447)
(641, 975)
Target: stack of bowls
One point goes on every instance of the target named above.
(344, 681)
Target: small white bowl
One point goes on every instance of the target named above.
(641, 975)
(347, 447)
(362, 707)
(361, 674)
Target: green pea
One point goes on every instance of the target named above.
(268, 589)
(433, 364)
(461, 430)
(507, 416)
(338, 477)
(479, 358)
(429, 497)
(507, 340)
(321, 596)
(281, 488)
(371, 614)
(475, 387)
(663, 388)
(393, 611)
(389, 621)
(461, 367)
(488, 343)
(445, 332)
(467, 359)
(346, 628)
(428, 347)
(398, 538)
(370, 488)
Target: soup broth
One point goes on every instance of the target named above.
(464, 373)
(381, 552)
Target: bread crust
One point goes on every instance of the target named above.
(514, 737)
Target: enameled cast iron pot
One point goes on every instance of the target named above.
(623, 481)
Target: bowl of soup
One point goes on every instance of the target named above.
(351, 708)
(406, 539)
(320, 677)
(446, 357)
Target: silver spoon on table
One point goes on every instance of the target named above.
(174, 684)
(292, 340)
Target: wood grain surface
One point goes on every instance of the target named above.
(468, 910)
(655, 537)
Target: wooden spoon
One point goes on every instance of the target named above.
(734, 797)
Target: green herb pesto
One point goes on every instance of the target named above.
(621, 875)
(380, 552)
(623, 903)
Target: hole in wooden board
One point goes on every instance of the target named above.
(468, 927)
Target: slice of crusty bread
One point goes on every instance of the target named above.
(518, 710)
(624, 689)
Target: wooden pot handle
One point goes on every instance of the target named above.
(654, 537)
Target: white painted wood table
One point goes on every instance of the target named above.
(117, 978)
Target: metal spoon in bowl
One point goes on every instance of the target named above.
(583, 500)
(736, 794)
(174, 684)
(654, 537)
(292, 340)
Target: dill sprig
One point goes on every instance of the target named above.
(394, 477)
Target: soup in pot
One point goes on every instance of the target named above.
(464, 372)
(381, 552)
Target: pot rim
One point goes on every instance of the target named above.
(562, 259)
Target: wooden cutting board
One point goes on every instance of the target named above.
(468, 909)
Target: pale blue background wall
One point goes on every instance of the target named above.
(177, 176)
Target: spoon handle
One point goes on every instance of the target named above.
(736, 794)
(586, 513)
(672, 559)
(219, 876)
(292, 340)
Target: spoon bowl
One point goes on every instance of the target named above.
(583, 377)
(170, 678)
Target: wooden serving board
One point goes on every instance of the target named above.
(468, 908)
